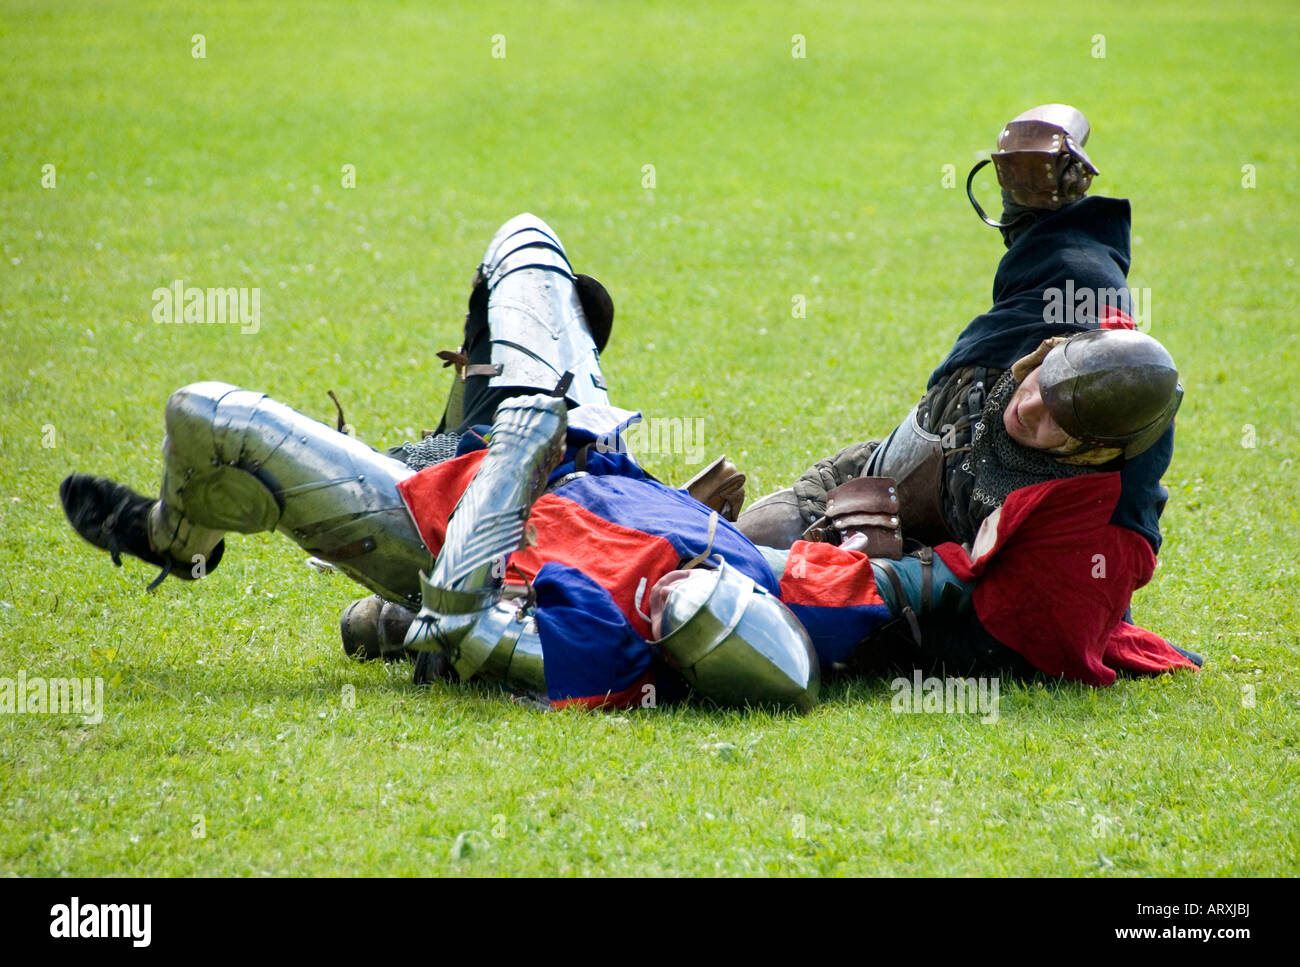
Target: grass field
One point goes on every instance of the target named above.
(227, 744)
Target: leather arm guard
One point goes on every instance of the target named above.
(866, 511)
(1040, 162)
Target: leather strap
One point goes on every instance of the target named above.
(912, 623)
(926, 556)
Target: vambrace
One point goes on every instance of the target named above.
(781, 518)
(463, 615)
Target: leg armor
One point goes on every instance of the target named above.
(538, 329)
(531, 321)
(237, 461)
(464, 615)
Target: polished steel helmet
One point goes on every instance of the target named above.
(1111, 388)
(737, 644)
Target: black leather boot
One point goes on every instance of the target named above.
(115, 518)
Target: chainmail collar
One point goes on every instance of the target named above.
(999, 464)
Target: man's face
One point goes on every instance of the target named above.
(1028, 421)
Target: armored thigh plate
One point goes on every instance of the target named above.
(236, 460)
(538, 329)
(737, 644)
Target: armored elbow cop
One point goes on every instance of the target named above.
(484, 635)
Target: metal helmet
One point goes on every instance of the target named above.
(737, 644)
(1111, 388)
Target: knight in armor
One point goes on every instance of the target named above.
(1030, 468)
(521, 531)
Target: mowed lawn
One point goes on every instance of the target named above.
(717, 184)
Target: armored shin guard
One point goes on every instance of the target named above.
(464, 615)
(238, 461)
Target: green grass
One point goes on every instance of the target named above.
(775, 176)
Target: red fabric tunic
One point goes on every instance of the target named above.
(1055, 577)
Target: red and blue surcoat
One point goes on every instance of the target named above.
(603, 540)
